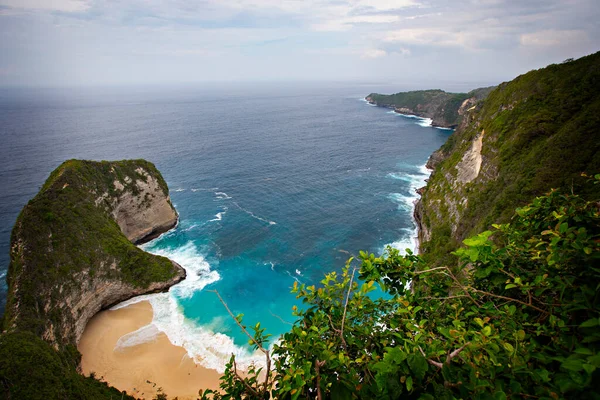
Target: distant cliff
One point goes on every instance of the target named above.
(73, 254)
(446, 110)
(537, 132)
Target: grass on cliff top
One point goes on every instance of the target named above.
(446, 104)
(542, 130)
(66, 238)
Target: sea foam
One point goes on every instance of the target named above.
(416, 179)
(206, 348)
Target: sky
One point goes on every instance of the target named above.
(53, 43)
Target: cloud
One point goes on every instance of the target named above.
(373, 53)
(554, 38)
(48, 5)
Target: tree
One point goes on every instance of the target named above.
(518, 317)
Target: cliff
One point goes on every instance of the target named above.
(73, 254)
(446, 110)
(532, 134)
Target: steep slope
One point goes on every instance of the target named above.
(73, 254)
(537, 132)
(71, 251)
(445, 109)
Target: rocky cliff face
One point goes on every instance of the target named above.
(447, 110)
(535, 133)
(72, 252)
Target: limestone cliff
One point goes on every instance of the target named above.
(72, 252)
(447, 110)
(537, 132)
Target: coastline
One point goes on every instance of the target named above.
(140, 368)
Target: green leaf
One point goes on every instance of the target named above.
(590, 323)
(594, 360)
(563, 227)
(487, 331)
(509, 347)
(499, 396)
(572, 365)
(418, 365)
(409, 383)
(510, 286)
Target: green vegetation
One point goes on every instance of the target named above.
(31, 369)
(541, 131)
(441, 106)
(518, 319)
(66, 241)
(61, 233)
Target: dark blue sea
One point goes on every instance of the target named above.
(273, 184)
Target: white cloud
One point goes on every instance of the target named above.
(373, 53)
(385, 5)
(424, 36)
(344, 24)
(548, 38)
(48, 5)
(372, 19)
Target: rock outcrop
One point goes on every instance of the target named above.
(72, 253)
(446, 110)
(528, 136)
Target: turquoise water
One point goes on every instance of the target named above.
(273, 185)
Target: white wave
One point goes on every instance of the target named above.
(410, 178)
(145, 334)
(2, 274)
(424, 122)
(204, 189)
(293, 277)
(254, 215)
(180, 190)
(207, 348)
(367, 101)
(298, 272)
(405, 203)
(218, 217)
(190, 227)
(443, 128)
(222, 196)
(410, 239)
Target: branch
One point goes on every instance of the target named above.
(428, 270)
(268, 375)
(462, 287)
(448, 358)
(455, 353)
(239, 378)
(434, 363)
(281, 319)
(345, 308)
(238, 323)
(509, 299)
(318, 365)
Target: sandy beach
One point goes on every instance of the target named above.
(143, 368)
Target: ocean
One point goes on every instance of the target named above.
(273, 184)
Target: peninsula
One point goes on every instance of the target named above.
(73, 254)
(446, 110)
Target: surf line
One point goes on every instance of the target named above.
(266, 221)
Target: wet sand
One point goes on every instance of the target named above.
(141, 369)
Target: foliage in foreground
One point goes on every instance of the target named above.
(519, 318)
(31, 369)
